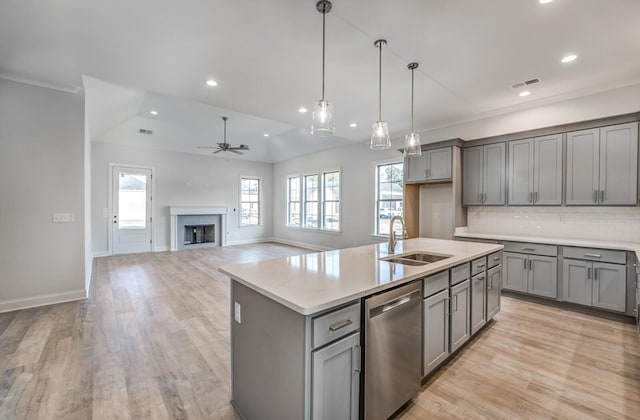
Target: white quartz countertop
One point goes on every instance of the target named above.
(311, 283)
(587, 243)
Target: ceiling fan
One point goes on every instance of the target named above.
(224, 146)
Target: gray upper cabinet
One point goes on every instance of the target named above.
(433, 165)
(484, 175)
(535, 171)
(336, 380)
(602, 166)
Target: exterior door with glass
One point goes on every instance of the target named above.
(131, 210)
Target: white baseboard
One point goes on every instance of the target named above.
(302, 244)
(250, 241)
(41, 300)
(98, 254)
(161, 248)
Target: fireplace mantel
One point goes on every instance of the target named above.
(175, 211)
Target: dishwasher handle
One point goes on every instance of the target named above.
(394, 303)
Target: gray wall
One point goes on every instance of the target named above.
(181, 179)
(357, 163)
(41, 173)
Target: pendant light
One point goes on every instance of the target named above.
(380, 131)
(322, 122)
(412, 140)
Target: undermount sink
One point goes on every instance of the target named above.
(417, 258)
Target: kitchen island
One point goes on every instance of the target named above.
(296, 328)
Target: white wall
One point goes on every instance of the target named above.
(180, 179)
(358, 194)
(41, 173)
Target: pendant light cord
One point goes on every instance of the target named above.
(380, 84)
(412, 70)
(324, 13)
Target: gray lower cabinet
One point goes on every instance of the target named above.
(335, 388)
(484, 175)
(433, 165)
(602, 166)
(436, 331)
(534, 274)
(478, 302)
(460, 320)
(601, 285)
(494, 283)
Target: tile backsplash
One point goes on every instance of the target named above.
(620, 224)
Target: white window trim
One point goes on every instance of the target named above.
(286, 215)
(322, 201)
(260, 197)
(320, 174)
(374, 234)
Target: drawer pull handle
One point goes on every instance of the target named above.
(340, 325)
(528, 249)
(496, 258)
(592, 255)
(480, 266)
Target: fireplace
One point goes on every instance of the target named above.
(199, 234)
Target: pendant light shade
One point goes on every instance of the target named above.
(380, 131)
(322, 121)
(412, 140)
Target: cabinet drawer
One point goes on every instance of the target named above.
(328, 327)
(436, 282)
(494, 259)
(594, 254)
(478, 265)
(460, 273)
(528, 248)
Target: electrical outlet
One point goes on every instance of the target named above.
(63, 218)
(237, 312)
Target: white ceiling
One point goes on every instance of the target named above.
(265, 56)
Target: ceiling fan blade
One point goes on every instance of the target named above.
(236, 152)
(207, 147)
(217, 151)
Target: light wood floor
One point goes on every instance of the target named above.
(153, 342)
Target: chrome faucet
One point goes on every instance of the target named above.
(392, 234)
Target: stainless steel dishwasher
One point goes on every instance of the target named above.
(393, 336)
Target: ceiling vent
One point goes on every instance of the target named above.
(526, 83)
(144, 131)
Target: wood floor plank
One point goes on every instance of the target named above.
(152, 342)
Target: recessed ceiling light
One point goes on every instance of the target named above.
(153, 112)
(524, 93)
(211, 83)
(302, 110)
(353, 125)
(545, 1)
(569, 58)
(266, 134)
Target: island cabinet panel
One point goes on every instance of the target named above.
(494, 283)
(335, 389)
(436, 331)
(478, 302)
(515, 277)
(460, 311)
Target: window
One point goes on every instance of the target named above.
(249, 201)
(389, 195)
(331, 200)
(293, 191)
(313, 201)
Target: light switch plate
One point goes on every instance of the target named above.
(236, 312)
(63, 218)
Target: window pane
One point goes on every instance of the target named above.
(249, 201)
(132, 201)
(311, 214)
(332, 216)
(294, 214)
(389, 196)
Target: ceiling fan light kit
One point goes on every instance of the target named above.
(412, 140)
(322, 121)
(224, 146)
(380, 130)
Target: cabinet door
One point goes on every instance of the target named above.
(583, 157)
(521, 172)
(619, 164)
(576, 281)
(460, 307)
(547, 170)
(435, 346)
(494, 281)
(515, 276)
(415, 168)
(478, 302)
(494, 170)
(335, 387)
(472, 176)
(609, 286)
(439, 164)
(543, 276)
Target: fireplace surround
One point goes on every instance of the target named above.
(198, 217)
